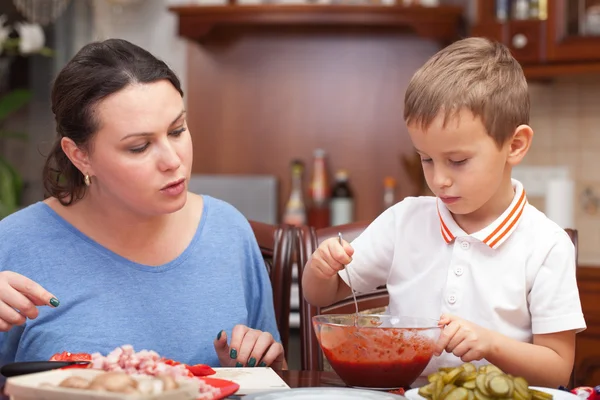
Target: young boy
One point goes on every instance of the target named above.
(497, 274)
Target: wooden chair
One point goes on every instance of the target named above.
(308, 239)
(276, 247)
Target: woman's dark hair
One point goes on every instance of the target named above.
(98, 70)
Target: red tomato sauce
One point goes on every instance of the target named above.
(376, 357)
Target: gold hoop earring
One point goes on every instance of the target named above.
(87, 180)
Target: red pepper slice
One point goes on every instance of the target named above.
(67, 356)
(200, 370)
(194, 370)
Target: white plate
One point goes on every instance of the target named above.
(252, 380)
(325, 394)
(413, 394)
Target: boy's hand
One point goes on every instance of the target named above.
(464, 339)
(331, 257)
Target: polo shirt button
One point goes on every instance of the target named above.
(452, 299)
(465, 245)
(459, 271)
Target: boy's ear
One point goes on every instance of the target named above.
(519, 144)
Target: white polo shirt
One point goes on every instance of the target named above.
(516, 276)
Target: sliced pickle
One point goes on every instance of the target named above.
(447, 389)
(481, 396)
(490, 367)
(469, 368)
(511, 386)
(521, 386)
(499, 386)
(452, 375)
(447, 369)
(458, 393)
(489, 376)
(470, 384)
(518, 396)
(487, 382)
(480, 383)
(427, 390)
(537, 395)
(439, 386)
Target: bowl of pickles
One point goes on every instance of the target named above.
(468, 382)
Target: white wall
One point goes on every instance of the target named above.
(147, 23)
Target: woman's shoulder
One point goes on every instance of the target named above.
(25, 231)
(25, 220)
(220, 211)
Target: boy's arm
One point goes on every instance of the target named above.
(368, 261)
(322, 292)
(548, 362)
(556, 318)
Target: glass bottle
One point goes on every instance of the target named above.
(389, 192)
(295, 210)
(342, 200)
(318, 213)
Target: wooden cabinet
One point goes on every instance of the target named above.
(269, 83)
(587, 357)
(563, 38)
(442, 23)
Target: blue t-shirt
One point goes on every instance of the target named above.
(107, 301)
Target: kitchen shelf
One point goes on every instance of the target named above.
(442, 23)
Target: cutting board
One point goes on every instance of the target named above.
(252, 380)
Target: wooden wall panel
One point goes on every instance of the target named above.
(587, 357)
(259, 97)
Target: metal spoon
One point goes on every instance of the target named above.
(350, 284)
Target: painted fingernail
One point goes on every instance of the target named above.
(262, 364)
(54, 302)
(239, 364)
(233, 354)
(252, 362)
(219, 335)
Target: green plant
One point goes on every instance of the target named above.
(11, 182)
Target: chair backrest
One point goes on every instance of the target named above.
(276, 246)
(308, 239)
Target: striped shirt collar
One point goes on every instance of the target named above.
(494, 234)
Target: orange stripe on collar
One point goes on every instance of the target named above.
(503, 228)
(446, 233)
(494, 234)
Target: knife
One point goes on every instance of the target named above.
(30, 367)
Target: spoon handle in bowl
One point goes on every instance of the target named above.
(350, 283)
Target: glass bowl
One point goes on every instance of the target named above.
(383, 352)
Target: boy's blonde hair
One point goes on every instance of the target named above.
(475, 74)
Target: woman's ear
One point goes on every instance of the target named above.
(79, 157)
(519, 144)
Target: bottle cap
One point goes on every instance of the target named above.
(319, 153)
(341, 175)
(389, 182)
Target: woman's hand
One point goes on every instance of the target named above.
(19, 298)
(249, 348)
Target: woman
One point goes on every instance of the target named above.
(133, 257)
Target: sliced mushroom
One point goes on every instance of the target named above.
(169, 382)
(114, 382)
(75, 382)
